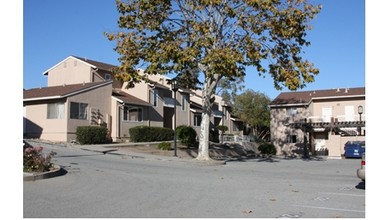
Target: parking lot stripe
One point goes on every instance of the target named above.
(342, 194)
(327, 208)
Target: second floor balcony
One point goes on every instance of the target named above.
(338, 118)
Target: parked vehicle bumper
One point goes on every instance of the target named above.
(361, 174)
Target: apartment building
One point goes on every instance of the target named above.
(322, 119)
(82, 92)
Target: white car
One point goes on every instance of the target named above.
(361, 171)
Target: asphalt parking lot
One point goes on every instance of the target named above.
(106, 185)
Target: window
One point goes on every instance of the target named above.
(235, 127)
(107, 76)
(184, 102)
(55, 110)
(197, 120)
(78, 110)
(349, 113)
(132, 113)
(291, 111)
(155, 98)
(326, 114)
(291, 139)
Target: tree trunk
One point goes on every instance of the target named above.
(208, 99)
(203, 153)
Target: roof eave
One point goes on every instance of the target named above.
(68, 94)
(45, 73)
(43, 98)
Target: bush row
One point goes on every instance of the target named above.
(186, 134)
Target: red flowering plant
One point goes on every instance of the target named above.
(37, 161)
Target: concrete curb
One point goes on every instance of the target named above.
(56, 171)
(146, 156)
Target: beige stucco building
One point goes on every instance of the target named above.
(88, 87)
(54, 113)
(326, 118)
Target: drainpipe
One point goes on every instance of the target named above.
(119, 122)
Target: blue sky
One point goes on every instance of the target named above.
(55, 29)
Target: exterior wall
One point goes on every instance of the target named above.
(196, 128)
(124, 125)
(115, 120)
(183, 115)
(70, 71)
(99, 101)
(280, 118)
(226, 119)
(156, 112)
(37, 125)
(140, 90)
(334, 143)
(338, 109)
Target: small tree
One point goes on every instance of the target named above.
(252, 108)
(222, 128)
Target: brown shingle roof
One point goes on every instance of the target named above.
(304, 97)
(60, 91)
(100, 65)
(158, 85)
(129, 99)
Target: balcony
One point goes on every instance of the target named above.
(338, 118)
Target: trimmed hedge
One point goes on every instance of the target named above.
(187, 135)
(267, 148)
(92, 135)
(149, 134)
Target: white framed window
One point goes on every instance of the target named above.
(326, 114)
(197, 120)
(78, 110)
(349, 113)
(184, 102)
(132, 113)
(107, 76)
(291, 111)
(154, 98)
(55, 110)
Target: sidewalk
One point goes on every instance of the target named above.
(128, 150)
(141, 150)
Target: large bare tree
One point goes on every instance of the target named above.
(216, 38)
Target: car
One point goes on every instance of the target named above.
(361, 171)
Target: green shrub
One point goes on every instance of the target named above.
(267, 148)
(187, 135)
(92, 135)
(148, 134)
(164, 146)
(222, 128)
